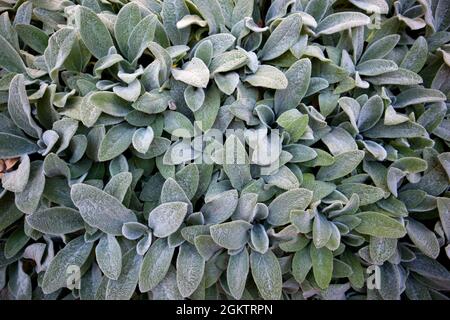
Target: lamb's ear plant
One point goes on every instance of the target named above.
(257, 149)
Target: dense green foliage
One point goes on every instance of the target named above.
(134, 139)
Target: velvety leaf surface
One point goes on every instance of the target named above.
(224, 149)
